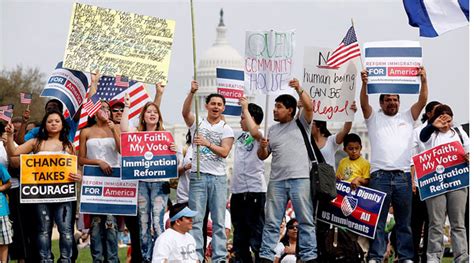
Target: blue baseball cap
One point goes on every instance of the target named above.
(186, 212)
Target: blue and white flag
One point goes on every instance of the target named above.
(230, 84)
(68, 86)
(436, 17)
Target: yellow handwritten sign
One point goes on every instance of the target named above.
(119, 43)
(45, 178)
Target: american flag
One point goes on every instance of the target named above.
(347, 50)
(108, 90)
(8, 107)
(25, 98)
(6, 115)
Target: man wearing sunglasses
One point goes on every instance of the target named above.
(116, 107)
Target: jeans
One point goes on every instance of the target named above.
(211, 190)
(104, 239)
(278, 194)
(61, 214)
(152, 201)
(248, 218)
(397, 186)
(455, 204)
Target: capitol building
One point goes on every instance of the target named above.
(222, 55)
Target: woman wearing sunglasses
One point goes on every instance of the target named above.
(286, 250)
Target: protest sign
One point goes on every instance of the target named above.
(147, 155)
(392, 67)
(45, 178)
(68, 86)
(332, 90)
(119, 43)
(268, 61)
(357, 210)
(230, 84)
(441, 169)
(107, 194)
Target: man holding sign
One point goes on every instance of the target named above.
(390, 135)
(215, 139)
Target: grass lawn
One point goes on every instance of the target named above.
(85, 254)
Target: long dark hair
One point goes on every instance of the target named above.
(285, 239)
(43, 134)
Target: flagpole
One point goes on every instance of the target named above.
(196, 98)
(266, 117)
(360, 57)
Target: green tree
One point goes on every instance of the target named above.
(19, 79)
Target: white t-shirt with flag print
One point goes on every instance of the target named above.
(210, 162)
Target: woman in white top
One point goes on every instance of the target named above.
(327, 142)
(152, 193)
(99, 144)
(286, 249)
(53, 139)
(439, 131)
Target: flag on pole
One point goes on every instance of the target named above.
(108, 90)
(7, 107)
(6, 115)
(25, 98)
(434, 18)
(347, 50)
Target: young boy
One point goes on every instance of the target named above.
(6, 232)
(354, 168)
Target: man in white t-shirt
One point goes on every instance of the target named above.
(248, 186)
(176, 244)
(214, 138)
(289, 177)
(391, 141)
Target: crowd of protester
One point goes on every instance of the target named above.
(263, 221)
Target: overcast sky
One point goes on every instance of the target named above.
(34, 34)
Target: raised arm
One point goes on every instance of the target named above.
(124, 123)
(186, 111)
(364, 98)
(10, 147)
(305, 100)
(249, 121)
(347, 126)
(422, 97)
(20, 138)
(159, 93)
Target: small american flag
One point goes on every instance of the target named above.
(6, 115)
(25, 98)
(7, 107)
(347, 50)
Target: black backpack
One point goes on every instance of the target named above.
(340, 247)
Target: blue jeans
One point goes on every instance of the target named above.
(278, 194)
(61, 214)
(397, 186)
(211, 190)
(104, 241)
(152, 201)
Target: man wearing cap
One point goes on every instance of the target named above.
(116, 107)
(176, 244)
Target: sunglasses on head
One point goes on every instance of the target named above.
(117, 110)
